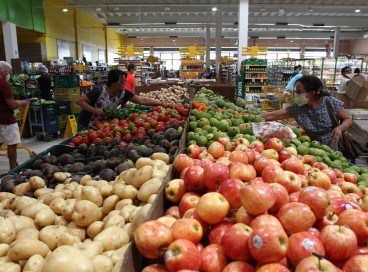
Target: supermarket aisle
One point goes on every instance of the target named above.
(33, 144)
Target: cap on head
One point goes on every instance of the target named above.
(42, 68)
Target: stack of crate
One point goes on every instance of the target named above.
(48, 120)
(66, 93)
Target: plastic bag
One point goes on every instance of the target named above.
(268, 130)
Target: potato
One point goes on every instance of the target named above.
(128, 229)
(67, 194)
(116, 220)
(25, 248)
(23, 202)
(143, 162)
(141, 216)
(112, 238)
(110, 203)
(5, 195)
(77, 193)
(36, 183)
(117, 266)
(161, 156)
(31, 210)
(11, 203)
(59, 187)
(51, 234)
(67, 239)
(133, 214)
(85, 213)
(150, 187)
(77, 231)
(34, 264)
(142, 175)
(129, 192)
(91, 182)
(90, 249)
(152, 199)
(122, 203)
(106, 190)
(68, 209)
(7, 230)
(59, 220)
(128, 175)
(39, 192)
(111, 214)
(84, 179)
(6, 213)
(22, 189)
(49, 197)
(61, 176)
(107, 253)
(67, 258)
(92, 194)
(57, 205)
(22, 222)
(27, 233)
(118, 254)
(45, 217)
(95, 228)
(118, 189)
(10, 267)
(125, 212)
(102, 263)
(71, 186)
(3, 249)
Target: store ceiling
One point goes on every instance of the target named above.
(296, 19)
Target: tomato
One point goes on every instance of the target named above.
(127, 138)
(85, 140)
(97, 140)
(122, 123)
(138, 136)
(162, 118)
(77, 140)
(109, 134)
(70, 144)
(118, 134)
(117, 129)
(159, 127)
(107, 140)
(134, 130)
(92, 135)
(127, 132)
(133, 116)
(147, 126)
(101, 134)
(139, 122)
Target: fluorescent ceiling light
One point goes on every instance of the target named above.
(214, 9)
(357, 10)
(65, 10)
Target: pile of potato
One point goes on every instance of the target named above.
(85, 227)
(171, 94)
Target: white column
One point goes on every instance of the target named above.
(243, 15)
(10, 41)
(208, 45)
(336, 48)
(218, 39)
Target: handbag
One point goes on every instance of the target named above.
(353, 140)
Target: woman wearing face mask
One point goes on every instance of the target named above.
(9, 130)
(310, 112)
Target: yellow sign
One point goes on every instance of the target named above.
(254, 51)
(131, 51)
(71, 127)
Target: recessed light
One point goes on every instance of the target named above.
(357, 10)
(173, 40)
(235, 28)
(291, 41)
(65, 10)
(214, 9)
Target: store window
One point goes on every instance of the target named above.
(101, 56)
(87, 53)
(63, 49)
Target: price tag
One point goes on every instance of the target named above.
(261, 80)
(253, 80)
(247, 67)
(247, 89)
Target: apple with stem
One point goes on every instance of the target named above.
(296, 217)
(235, 242)
(212, 207)
(187, 228)
(316, 198)
(213, 259)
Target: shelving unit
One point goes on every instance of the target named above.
(255, 75)
(123, 63)
(191, 69)
(228, 73)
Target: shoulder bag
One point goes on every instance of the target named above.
(353, 140)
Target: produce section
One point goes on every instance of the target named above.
(229, 201)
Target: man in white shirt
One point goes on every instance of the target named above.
(345, 79)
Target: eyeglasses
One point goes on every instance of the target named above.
(298, 91)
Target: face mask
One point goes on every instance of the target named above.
(7, 77)
(300, 99)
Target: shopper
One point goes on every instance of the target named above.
(356, 71)
(44, 81)
(130, 82)
(297, 70)
(310, 111)
(9, 130)
(111, 95)
(344, 81)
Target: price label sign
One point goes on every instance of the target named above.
(253, 80)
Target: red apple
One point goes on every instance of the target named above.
(238, 156)
(230, 189)
(338, 172)
(229, 147)
(284, 155)
(316, 198)
(235, 242)
(315, 264)
(274, 267)
(192, 213)
(182, 174)
(188, 229)
(329, 219)
(257, 146)
(218, 231)
(265, 220)
(339, 242)
(352, 197)
(357, 221)
(357, 263)
(362, 250)
(213, 208)
(181, 161)
(282, 196)
(223, 160)
(319, 179)
(168, 220)
(271, 154)
(242, 141)
(241, 147)
(293, 197)
(242, 171)
(270, 173)
(350, 177)
(337, 205)
(314, 232)
(216, 150)
(290, 181)
(193, 151)
(268, 244)
(188, 201)
(155, 268)
(296, 217)
(274, 143)
(238, 267)
(294, 165)
(257, 197)
(348, 187)
(182, 254)
(206, 156)
(193, 179)
(174, 190)
(151, 238)
(308, 159)
(302, 245)
(213, 259)
(243, 217)
(224, 140)
(331, 174)
(320, 165)
(214, 174)
(251, 154)
(261, 163)
(173, 211)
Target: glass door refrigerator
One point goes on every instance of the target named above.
(341, 62)
(328, 71)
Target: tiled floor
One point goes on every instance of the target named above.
(34, 144)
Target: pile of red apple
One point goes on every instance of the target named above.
(248, 209)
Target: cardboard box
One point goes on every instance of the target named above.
(356, 95)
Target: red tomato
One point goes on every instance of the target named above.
(92, 135)
(159, 128)
(107, 140)
(127, 138)
(162, 118)
(77, 140)
(97, 140)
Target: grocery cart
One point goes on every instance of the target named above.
(20, 116)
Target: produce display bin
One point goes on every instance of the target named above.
(23, 166)
(63, 107)
(70, 81)
(50, 124)
(67, 94)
